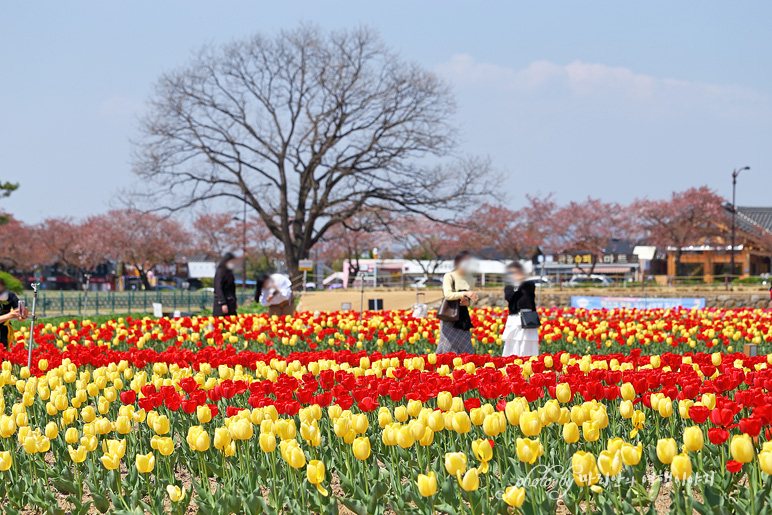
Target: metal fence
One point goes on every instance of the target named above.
(52, 303)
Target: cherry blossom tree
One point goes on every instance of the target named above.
(499, 232)
(686, 218)
(76, 246)
(142, 240)
(427, 242)
(588, 226)
(21, 250)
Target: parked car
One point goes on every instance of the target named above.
(541, 281)
(592, 280)
(420, 282)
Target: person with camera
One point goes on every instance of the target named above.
(521, 333)
(455, 328)
(275, 292)
(11, 308)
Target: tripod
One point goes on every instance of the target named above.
(32, 323)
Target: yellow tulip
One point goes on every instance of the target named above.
(584, 468)
(427, 484)
(52, 431)
(514, 496)
(161, 425)
(563, 393)
(222, 438)
(176, 494)
(77, 455)
(267, 442)
(631, 455)
(165, 446)
(361, 448)
(123, 425)
(30, 445)
(610, 463)
(483, 451)
(665, 407)
(626, 409)
(765, 460)
(462, 424)
(110, 461)
(296, 458)
(241, 429)
(455, 463)
(145, 463)
(528, 451)
(694, 439)
(570, 433)
(590, 431)
(5, 461)
(666, 450)
(530, 424)
(315, 474)
(470, 481)
(741, 448)
(639, 420)
(681, 467)
(204, 414)
(627, 391)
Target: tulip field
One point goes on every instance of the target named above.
(624, 411)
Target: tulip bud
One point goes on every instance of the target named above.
(361, 448)
(666, 450)
(741, 448)
(681, 467)
(145, 463)
(427, 484)
(693, 439)
(176, 494)
(570, 433)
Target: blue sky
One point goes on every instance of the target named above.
(608, 99)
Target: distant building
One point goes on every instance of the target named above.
(710, 259)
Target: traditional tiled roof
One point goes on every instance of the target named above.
(761, 216)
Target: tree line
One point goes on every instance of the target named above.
(143, 240)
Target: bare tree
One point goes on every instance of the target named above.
(309, 128)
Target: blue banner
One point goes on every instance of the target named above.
(637, 302)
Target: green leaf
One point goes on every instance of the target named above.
(357, 507)
(101, 502)
(65, 486)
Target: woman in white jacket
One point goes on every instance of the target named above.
(520, 296)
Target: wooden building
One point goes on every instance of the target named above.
(710, 259)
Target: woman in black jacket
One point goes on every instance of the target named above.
(520, 296)
(225, 287)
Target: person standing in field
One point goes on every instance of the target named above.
(457, 286)
(520, 296)
(9, 310)
(275, 292)
(225, 286)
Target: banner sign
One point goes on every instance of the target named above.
(637, 302)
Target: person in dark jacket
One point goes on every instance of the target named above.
(9, 310)
(520, 296)
(225, 286)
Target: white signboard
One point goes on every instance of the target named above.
(305, 265)
(201, 269)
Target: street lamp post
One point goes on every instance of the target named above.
(244, 250)
(735, 173)
(243, 221)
